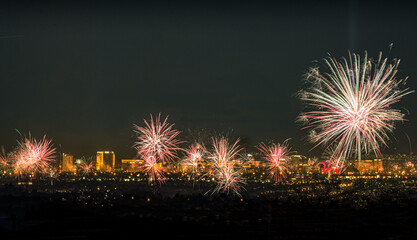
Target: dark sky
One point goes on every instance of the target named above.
(83, 73)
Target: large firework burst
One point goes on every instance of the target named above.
(32, 155)
(157, 142)
(226, 172)
(351, 105)
(157, 138)
(277, 157)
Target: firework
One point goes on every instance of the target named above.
(4, 160)
(86, 166)
(33, 155)
(156, 143)
(351, 105)
(276, 157)
(52, 175)
(157, 139)
(194, 156)
(153, 168)
(228, 179)
(226, 172)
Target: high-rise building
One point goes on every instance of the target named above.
(106, 161)
(67, 162)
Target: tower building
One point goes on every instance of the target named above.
(106, 161)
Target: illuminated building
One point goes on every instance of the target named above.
(106, 161)
(67, 162)
(350, 170)
(369, 166)
(299, 163)
(131, 165)
(257, 164)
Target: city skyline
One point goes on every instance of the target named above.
(208, 119)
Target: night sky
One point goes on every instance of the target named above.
(84, 73)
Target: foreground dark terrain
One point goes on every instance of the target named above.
(372, 209)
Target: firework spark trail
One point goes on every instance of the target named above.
(157, 138)
(156, 143)
(223, 152)
(228, 179)
(86, 166)
(153, 168)
(277, 157)
(33, 155)
(194, 156)
(332, 165)
(4, 160)
(351, 105)
(226, 173)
